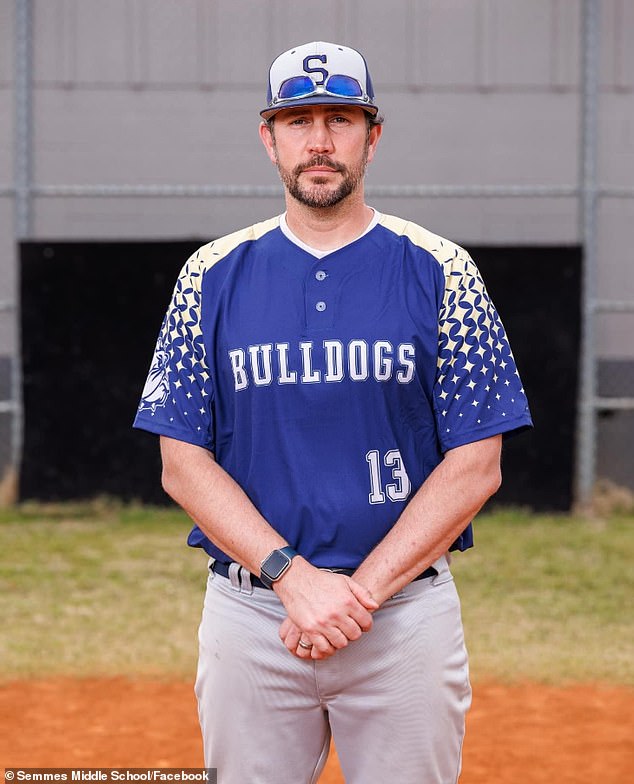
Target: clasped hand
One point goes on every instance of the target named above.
(326, 611)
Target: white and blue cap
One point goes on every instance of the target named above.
(319, 73)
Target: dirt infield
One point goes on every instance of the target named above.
(522, 734)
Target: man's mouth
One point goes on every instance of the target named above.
(319, 166)
(319, 170)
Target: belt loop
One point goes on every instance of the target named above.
(245, 581)
(442, 567)
(234, 575)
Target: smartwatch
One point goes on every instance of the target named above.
(275, 564)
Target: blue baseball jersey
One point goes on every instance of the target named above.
(330, 388)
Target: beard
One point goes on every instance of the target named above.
(317, 194)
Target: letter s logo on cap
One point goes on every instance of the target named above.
(315, 70)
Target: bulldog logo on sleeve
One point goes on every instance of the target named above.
(156, 389)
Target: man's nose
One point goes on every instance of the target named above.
(320, 139)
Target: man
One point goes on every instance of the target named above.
(331, 388)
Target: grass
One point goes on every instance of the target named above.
(101, 588)
(98, 589)
(549, 598)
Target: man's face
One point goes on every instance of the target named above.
(321, 152)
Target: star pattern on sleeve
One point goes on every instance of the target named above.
(477, 382)
(184, 364)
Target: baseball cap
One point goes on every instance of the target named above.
(319, 73)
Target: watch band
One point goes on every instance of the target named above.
(276, 564)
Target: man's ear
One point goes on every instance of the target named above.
(375, 135)
(266, 134)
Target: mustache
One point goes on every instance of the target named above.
(320, 160)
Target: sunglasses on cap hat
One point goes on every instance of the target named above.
(319, 73)
(338, 85)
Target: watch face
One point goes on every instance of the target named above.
(275, 564)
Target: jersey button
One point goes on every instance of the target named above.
(320, 306)
(320, 275)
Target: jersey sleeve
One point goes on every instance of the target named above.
(478, 392)
(177, 400)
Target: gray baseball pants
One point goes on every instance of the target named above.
(395, 700)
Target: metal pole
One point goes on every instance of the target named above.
(23, 117)
(587, 429)
(23, 214)
(263, 191)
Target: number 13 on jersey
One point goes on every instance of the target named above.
(398, 490)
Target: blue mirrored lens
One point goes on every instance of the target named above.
(296, 87)
(344, 86)
(302, 86)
